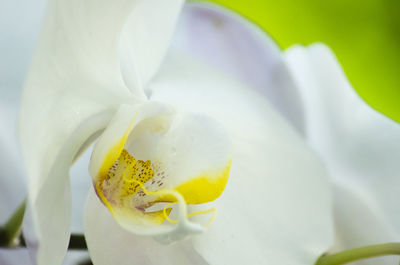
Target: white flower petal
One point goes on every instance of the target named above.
(360, 146)
(276, 208)
(114, 138)
(146, 38)
(360, 223)
(73, 88)
(201, 156)
(109, 243)
(241, 49)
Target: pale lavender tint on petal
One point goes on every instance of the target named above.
(241, 50)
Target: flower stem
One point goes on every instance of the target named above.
(11, 231)
(354, 254)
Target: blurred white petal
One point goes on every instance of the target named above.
(360, 147)
(241, 49)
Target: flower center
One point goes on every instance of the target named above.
(123, 185)
(134, 184)
(155, 169)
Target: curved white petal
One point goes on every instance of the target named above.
(242, 50)
(358, 224)
(276, 208)
(74, 86)
(109, 243)
(146, 38)
(360, 146)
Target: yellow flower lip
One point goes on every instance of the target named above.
(206, 187)
(151, 164)
(127, 179)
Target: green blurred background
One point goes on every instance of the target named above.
(364, 34)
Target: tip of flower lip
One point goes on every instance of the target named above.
(183, 230)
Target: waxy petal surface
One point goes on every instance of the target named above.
(74, 86)
(360, 147)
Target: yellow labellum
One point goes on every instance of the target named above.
(205, 188)
(122, 185)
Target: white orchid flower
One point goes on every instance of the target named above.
(172, 114)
